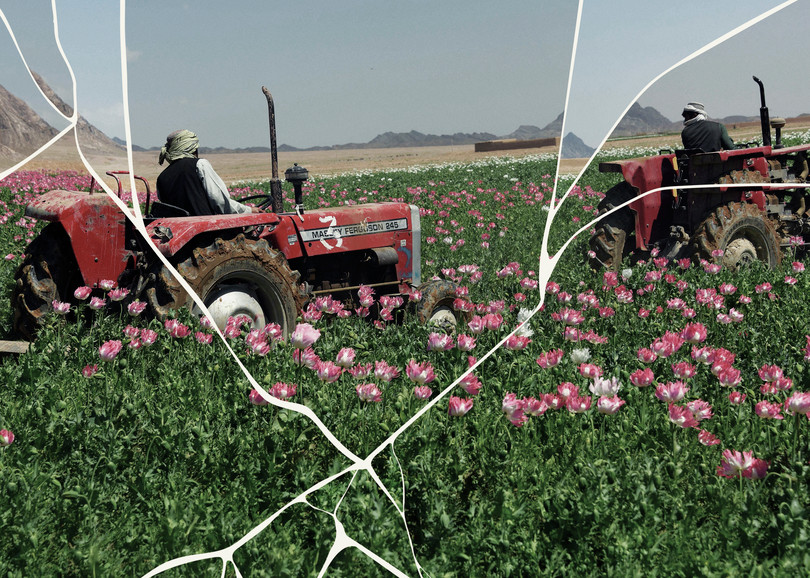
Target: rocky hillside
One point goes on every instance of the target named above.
(22, 130)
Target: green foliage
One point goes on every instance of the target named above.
(161, 455)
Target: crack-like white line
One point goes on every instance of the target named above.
(546, 267)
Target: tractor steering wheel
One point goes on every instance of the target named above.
(268, 200)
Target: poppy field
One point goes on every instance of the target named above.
(648, 421)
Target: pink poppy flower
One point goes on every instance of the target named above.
(729, 377)
(550, 359)
(110, 349)
(82, 293)
(767, 410)
(799, 402)
(572, 334)
(106, 284)
(420, 373)
(734, 463)
(605, 387)
(180, 330)
(328, 371)
(681, 416)
(281, 390)
(304, 336)
(345, 357)
(361, 371)
(148, 336)
(516, 342)
(609, 405)
(642, 377)
(60, 307)
(606, 312)
(577, 404)
(493, 321)
(471, 384)
(204, 338)
(736, 398)
(476, 325)
(118, 294)
(671, 392)
(306, 357)
(368, 392)
(646, 355)
(534, 407)
(136, 308)
(700, 409)
(511, 403)
(422, 392)
(667, 345)
(458, 406)
(571, 316)
(589, 370)
(6, 437)
(683, 370)
(770, 372)
(567, 389)
(440, 342)
(465, 342)
(365, 295)
(131, 331)
(757, 471)
(727, 289)
(707, 438)
(552, 288)
(694, 333)
(90, 370)
(798, 267)
(385, 372)
(256, 398)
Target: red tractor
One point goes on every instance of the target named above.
(747, 223)
(264, 265)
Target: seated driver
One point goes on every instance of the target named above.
(191, 183)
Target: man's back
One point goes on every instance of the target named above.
(179, 185)
(707, 135)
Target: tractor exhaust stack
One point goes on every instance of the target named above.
(275, 183)
(763, 115)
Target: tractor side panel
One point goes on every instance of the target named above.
(95, 226)
(344, 229)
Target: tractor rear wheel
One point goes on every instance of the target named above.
(233, 277)
(436, 305)
(48, 273)
(742, 232)
(611, 242)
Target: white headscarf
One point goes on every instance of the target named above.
(698, 109)
(180, 144)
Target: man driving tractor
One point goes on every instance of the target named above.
(190, 182)
(701, 133)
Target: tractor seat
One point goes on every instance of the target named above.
(160, 210)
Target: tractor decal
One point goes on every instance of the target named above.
(340, 231)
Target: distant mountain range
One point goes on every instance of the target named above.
(23, 130)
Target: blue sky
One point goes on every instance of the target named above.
(346, 71)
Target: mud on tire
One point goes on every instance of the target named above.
(233, 276)
(49, 272)
(610, 241)
(438, 295)
(742, 231)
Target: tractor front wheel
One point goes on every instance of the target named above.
(233, 277)
(49, 273)
(612, 240)
(742, 232)
(436, 305)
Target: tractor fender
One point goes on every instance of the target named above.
(171, 235)
(94, 226)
